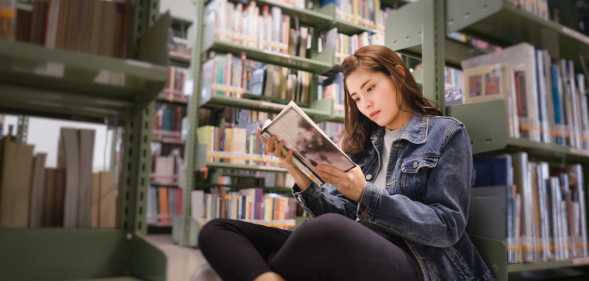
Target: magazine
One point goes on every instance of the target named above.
(310, 145)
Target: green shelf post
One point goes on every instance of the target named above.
(429, 32)
(183, 227)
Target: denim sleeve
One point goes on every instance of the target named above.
(439, 220)
(318, 200)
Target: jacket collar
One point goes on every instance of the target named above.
(415, 131)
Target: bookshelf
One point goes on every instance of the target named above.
(421, 29)
(166, 136)
(185, 229)
(36, 81)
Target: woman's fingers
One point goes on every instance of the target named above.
(331, 170)
(281, 150)
(327, 177)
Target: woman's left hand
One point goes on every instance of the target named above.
(350, 183)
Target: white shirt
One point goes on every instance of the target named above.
(389, 137)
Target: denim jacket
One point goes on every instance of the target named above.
(425, 201)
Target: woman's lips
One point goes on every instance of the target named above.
(374, 114)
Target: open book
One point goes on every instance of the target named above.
(310, 145)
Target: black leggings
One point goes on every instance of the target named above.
(328, 247)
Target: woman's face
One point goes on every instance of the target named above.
(375, 96)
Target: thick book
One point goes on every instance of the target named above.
(310, 145)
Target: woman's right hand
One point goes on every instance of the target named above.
(274, 146)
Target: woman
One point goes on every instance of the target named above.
(400, 214)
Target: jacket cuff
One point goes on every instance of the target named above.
(369, 200)
(312, 192)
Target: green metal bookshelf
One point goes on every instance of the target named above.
(36, 81)
(421, 29)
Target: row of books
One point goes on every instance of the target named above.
(545, 206)
(246, 204)
(365, 13)
(177, 83)
(346, 45)
(251, 178)
(301, 4)
(453, 86)
(70, 195)
(264, 27)
(546, 101)
(334, 130)
(572, 14)
(332, 88)
(179, 49)
(233, 145)
(229, 75)
(536, 7)
(76, 25)
(164, 203)
(168, 117)
(280, 83)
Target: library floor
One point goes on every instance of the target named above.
(184, 264)
(188, 264)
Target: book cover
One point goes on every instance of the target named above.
(310, 145)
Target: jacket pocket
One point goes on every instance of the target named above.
(414, 174)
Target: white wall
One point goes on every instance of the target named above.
(44, 135)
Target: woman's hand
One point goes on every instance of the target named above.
(275, 146)
(351, 183)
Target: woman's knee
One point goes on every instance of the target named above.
(210, 230)
(327, 226)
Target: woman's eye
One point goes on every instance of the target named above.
(370, 88)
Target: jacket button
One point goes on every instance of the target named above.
(415, 164)
(368, 177)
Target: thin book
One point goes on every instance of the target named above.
(310, 144)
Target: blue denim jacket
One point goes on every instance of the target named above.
(426, 198)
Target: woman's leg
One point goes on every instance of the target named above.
(334, 247)
(238, 250)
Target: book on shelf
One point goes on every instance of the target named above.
(2, 122)
(15, 183)
(167, 170)
(163, 205)
(546, 101)
(310, 145)
(8, 20)
(76, 151)
(104, 200)
(545, 206)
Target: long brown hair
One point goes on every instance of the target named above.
(358, 127)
